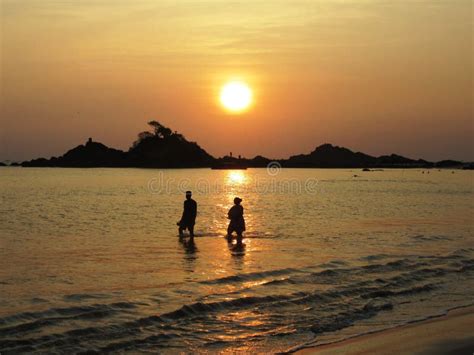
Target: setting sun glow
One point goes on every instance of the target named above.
(236, 96)
(235, 177)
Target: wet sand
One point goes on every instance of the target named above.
(449, 334)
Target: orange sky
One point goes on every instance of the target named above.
(372, 75)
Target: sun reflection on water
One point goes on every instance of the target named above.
(236, 177)
(247, 318)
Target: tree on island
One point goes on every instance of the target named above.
(141, 137)
(161, 147)
(159, 132)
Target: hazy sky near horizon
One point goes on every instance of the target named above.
(376, 76)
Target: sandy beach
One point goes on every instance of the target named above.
(449, 334)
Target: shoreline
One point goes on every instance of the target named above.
(448, 333)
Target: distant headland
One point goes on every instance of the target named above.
(162, 148)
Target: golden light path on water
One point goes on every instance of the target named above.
(236, 177)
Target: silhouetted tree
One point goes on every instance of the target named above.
(165, 131)
(142, 136)
(160, 130)
(155, 125)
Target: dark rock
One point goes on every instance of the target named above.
(329, 156)
(92, 154)
(158, 149)
(163, 148)
(448, 164)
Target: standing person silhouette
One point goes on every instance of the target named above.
(237, 221)
(188, 219)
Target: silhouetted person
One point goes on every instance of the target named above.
(188, 218)
(237, 222)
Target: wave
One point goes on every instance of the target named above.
(199, 313)
(250, 276)
(33, 320)
(84, 296)
(321, 298)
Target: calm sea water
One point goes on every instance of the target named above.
(91, 261)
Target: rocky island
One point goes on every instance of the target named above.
(160, 147)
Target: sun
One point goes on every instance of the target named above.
(236, 96)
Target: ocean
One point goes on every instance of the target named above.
(91, 260)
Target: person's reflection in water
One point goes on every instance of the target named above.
(237, 251)
(190, 253)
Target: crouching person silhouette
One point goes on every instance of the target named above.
(188, 219)
(237, 221)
